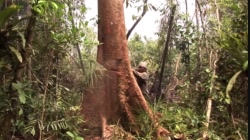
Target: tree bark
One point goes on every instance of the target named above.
(115, 98)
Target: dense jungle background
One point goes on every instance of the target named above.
(48, 57)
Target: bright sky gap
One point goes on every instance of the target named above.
(147, 26)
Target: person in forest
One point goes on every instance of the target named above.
(141, 76)
(154, 91)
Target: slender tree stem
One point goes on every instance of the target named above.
(41, 126)
(217, 13)
(211, 92)
(166, 47)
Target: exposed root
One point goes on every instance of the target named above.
(162, 133)
(109, 107)
(114, 132)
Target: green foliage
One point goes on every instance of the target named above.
(23, 91)
(48, 104)
(74, 136)
(57, 118)
(201, 77)
(17, 53)
(236, 46)
(145, 125)
(43, 6)
(231, 83)
(7, 13)
(181, 120)
(144, 49)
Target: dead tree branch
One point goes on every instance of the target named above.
(145, 9)
(171, 19)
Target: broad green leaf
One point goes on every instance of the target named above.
(47, 127)
(246, 52)
(17, 85)
(83, 9)
(207, 70)
(177, 127)
(227, 100)
(134, 17)
(245, 65)
(19, 56)
(231, 84)
(55, 125)
(7, 13)
(21, 96)
(22, 37)
(2, 64)
(152, 6)
(86, 23)
(188, 114)
(41, 1)
(232, 81)
(70, 134)
(33, 132)
(20, 112)
(54, 5)
(37, 10)
(79, 138)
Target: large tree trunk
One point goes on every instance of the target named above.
(115, 98)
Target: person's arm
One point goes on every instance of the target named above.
(141, 75)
